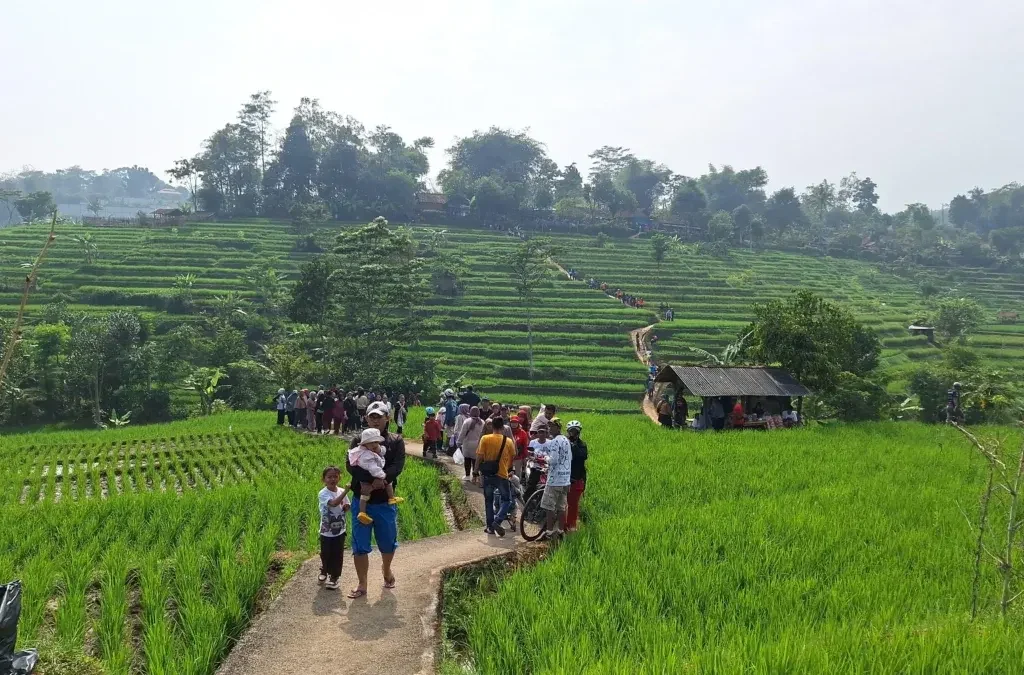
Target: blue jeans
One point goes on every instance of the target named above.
(500, 485)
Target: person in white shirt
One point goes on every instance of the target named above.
(556, 491)
(334, 503)
(538, 449)
(544, 418)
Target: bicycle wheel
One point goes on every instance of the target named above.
(517, 509)
(533, 520)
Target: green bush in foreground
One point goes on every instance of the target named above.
(825, 550)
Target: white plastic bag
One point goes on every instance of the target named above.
(458, 457)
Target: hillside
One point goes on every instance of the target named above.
(580, 334)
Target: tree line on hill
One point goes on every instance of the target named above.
(327, 165)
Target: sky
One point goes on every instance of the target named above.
(923, 96)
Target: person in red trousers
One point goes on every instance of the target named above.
(577, 474)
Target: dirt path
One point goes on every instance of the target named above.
(311, 630)
(638, 338)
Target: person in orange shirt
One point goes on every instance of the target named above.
(494, 456)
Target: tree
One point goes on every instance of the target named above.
(183, 287)
(812, 338)
(513, 160)
(721, 227)
(963, 211)
(782, 210)
(312, 293)
(688, 201)
(87, 245)
(821, 198)
(742, 217)
(727, 188)
(95, 205)
(957, 318)
(865, 197)
(205, 382)
(528, 264)
(918, 215)
(447, 274)
(255, 121)
(36, 205)
(376, 291)
(187, 171)
(660, 245)
(616, 198)
(569, 184)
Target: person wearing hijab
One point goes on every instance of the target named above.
(460, 419)
(469, 439)
(282, 404)
(300, 409)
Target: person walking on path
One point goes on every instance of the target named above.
(556, 491)
(334, 503)
(469, 439)
(384, 528)
(665, 412)
(495, 459)
(469, 397)
(351, 412)
(451, 412)
(401, 413)
(682, 411)
(289, 406)
(282, 406)
(517, 425)
(577, 474)
(300, 409)
(362, 403)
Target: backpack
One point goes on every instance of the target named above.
(490, 467)
(450, 412)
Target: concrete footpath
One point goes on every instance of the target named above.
(309, 629)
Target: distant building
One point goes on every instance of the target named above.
(431, 201)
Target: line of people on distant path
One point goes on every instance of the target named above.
(331, 410)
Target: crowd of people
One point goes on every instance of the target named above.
(332, 410)
(492, 441)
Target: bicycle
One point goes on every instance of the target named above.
(533, 519)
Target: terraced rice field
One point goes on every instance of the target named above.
(147, 548)
(582, 351)
(712, 297)
(831, 549)
(580, 337)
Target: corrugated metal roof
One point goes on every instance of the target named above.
(733, 381)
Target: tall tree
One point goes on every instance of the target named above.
(187, 171)
(865, 197)
(510, 158)
(528, 263)
(36, 206)
(814, 339)
(782, 210)
(688, 202)
(375, 317)
(255, 120)
(821, 198)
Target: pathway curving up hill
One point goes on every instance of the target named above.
(313, 631)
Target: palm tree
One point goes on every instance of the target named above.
(730, 355)
(87, 245)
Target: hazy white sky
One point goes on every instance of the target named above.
(923, 96)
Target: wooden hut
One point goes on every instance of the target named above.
(771, 389)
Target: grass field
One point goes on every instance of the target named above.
(148, 548)
(824, 550)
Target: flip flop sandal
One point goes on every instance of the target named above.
(391, 584)
(356, 594)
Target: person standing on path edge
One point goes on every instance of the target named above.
(385, 516)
